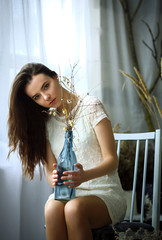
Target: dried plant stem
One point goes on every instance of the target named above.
(154, 50)
(143, 85)
(136, 10)
(158, 106)
(145, 96)
(152, 111)
(155, 81)
(161, 67)
(128, 22)
(136, 83)
(156, 53)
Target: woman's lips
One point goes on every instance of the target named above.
(53, 101)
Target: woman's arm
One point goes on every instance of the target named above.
(106, 141)
(50, 165)
(105, 137)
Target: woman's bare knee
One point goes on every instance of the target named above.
(78, 226)
(74, 212)
(53, 211)
(72, 208)
(55, 220)
(91, 209)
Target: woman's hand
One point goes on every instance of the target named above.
(54, 175)
(77, 177)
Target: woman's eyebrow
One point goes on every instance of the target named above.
(41, 89)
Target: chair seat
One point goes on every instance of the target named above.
(135, 226)
(109, 232)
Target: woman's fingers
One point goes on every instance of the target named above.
(55, 172)
(54, 165)
(54, 175)
(72, 184)
(69, 173)
(71, 178)
(74, 178)
(79, 166)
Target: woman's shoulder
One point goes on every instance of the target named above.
(90, 104)
(93, 109)
(90, 100)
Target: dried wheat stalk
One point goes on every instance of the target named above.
(144, 95)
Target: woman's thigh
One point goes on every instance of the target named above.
(91, 207)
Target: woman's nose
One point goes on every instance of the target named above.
(46, 96)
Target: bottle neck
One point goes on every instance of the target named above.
(69, 137)
(69, 134)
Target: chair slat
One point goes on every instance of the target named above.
(134, 180)
(144, 181)
(156, 183)
(118, 148)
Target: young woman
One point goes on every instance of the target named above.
(39, 138)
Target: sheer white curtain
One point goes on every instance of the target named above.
(57, 33)
(21, 202)
(72, 34)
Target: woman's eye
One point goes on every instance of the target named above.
(36, 97)
(46, 86)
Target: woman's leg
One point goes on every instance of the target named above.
(84, 213)
(55, 220)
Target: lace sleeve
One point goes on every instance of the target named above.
(96, 111)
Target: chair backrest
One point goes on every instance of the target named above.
(145, 137)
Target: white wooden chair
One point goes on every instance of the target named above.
(108, 232)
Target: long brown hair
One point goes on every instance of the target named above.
(26, 121)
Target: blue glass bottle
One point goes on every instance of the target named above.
(65, 162)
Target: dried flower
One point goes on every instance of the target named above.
(52, 112)
(71, 123)
(64, 111)
(64, 78)
(69, 101)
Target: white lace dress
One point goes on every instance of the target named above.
(90, 112)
